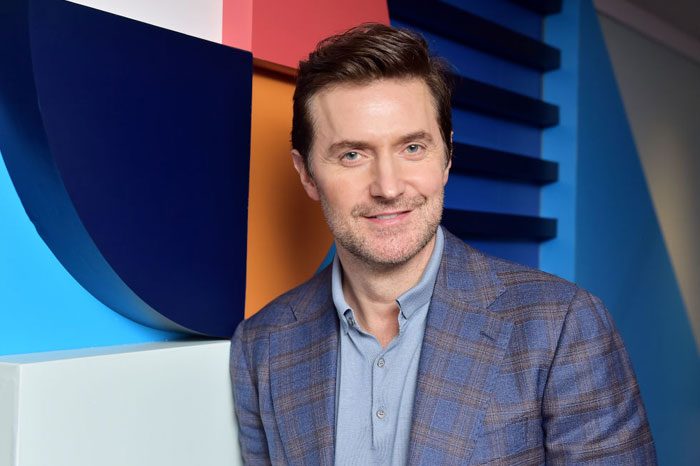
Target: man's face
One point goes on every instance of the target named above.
(378, 167)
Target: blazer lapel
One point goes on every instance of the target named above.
(303, 362)
(462, 349)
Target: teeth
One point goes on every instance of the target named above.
(384, 217)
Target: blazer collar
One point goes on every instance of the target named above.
(466, 274)
(462, 349)
(315, 296)
(303, 362)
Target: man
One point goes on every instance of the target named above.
(414, 348)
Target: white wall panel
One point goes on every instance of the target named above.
(199, 18)
(9, 388)
(165, 403)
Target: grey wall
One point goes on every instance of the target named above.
(660, 90)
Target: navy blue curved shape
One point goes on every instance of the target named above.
(129, 147)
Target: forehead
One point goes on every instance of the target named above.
(375, 109)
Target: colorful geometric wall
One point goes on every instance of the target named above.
(148, 208)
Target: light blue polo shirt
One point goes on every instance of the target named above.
(375, 387)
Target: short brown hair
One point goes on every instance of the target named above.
(363, 54)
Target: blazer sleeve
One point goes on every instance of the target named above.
(592, 409)
(245, 399)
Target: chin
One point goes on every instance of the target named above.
(383, 253)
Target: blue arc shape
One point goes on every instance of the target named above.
(129, 148)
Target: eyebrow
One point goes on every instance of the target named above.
(417, 136)
(348, 144)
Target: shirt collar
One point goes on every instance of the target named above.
(420, 294)
(408, 302)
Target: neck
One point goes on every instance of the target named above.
(371, 290)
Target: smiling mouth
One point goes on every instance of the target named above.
(386, 211)
(388, 216)
(385, 217)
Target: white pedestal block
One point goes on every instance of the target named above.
(165, 403)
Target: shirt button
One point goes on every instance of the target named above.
(381, 413)
(381, 362)
(351, 321)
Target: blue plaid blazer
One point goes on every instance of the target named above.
(517, 367)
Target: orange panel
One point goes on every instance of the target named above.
(285, 31)
(237, 27)
(287, 235)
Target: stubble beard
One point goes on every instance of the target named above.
(391, 246)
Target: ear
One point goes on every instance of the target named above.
(307, 180)
(446, 172)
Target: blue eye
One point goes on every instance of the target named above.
(351, 156)
(413, 148)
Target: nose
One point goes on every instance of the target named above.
(387, 182)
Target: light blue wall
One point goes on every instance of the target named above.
(621, 256)
(42, 308)
(559, 144)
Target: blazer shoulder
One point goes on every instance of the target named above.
(499, 284)
(513, 274)
(527, 291)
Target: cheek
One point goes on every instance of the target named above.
(428, 182)
(340, 192)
